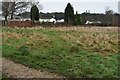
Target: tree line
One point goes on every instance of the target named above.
(9, 8)
(69, 16)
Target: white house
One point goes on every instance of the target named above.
(52, 20)
(44, 20)
(93, 22)
(60, 21)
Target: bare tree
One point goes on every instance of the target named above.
(108, 11)
(11, 7)
(108, 15)
(6, 8)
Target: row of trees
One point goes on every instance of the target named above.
(69, 15)
(9, 8)
(77, 20)
(16, 7)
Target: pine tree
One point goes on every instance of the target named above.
(69, 13)
(34, 13)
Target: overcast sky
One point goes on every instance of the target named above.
(95, 6)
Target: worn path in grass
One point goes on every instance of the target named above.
(15, 70)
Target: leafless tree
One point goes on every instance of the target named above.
(11, 7)
(108, 11)
(6, 8)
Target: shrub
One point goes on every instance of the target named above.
(77, 19)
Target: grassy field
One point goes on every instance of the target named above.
(72, 52)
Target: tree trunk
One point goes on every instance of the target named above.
(11, 15)
(6, 18)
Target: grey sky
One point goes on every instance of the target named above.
(119, 7)
(95, 6)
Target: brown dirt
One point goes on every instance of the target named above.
(15, 70)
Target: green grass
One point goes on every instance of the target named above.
(69, 53)
(4, 76)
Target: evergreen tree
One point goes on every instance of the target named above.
(69, 13)
(34, 13)
(77, 19)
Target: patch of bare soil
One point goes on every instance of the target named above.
(15, 70)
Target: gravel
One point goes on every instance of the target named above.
(15, 70)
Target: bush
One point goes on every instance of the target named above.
(77, 20)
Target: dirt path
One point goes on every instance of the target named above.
(15, 70)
